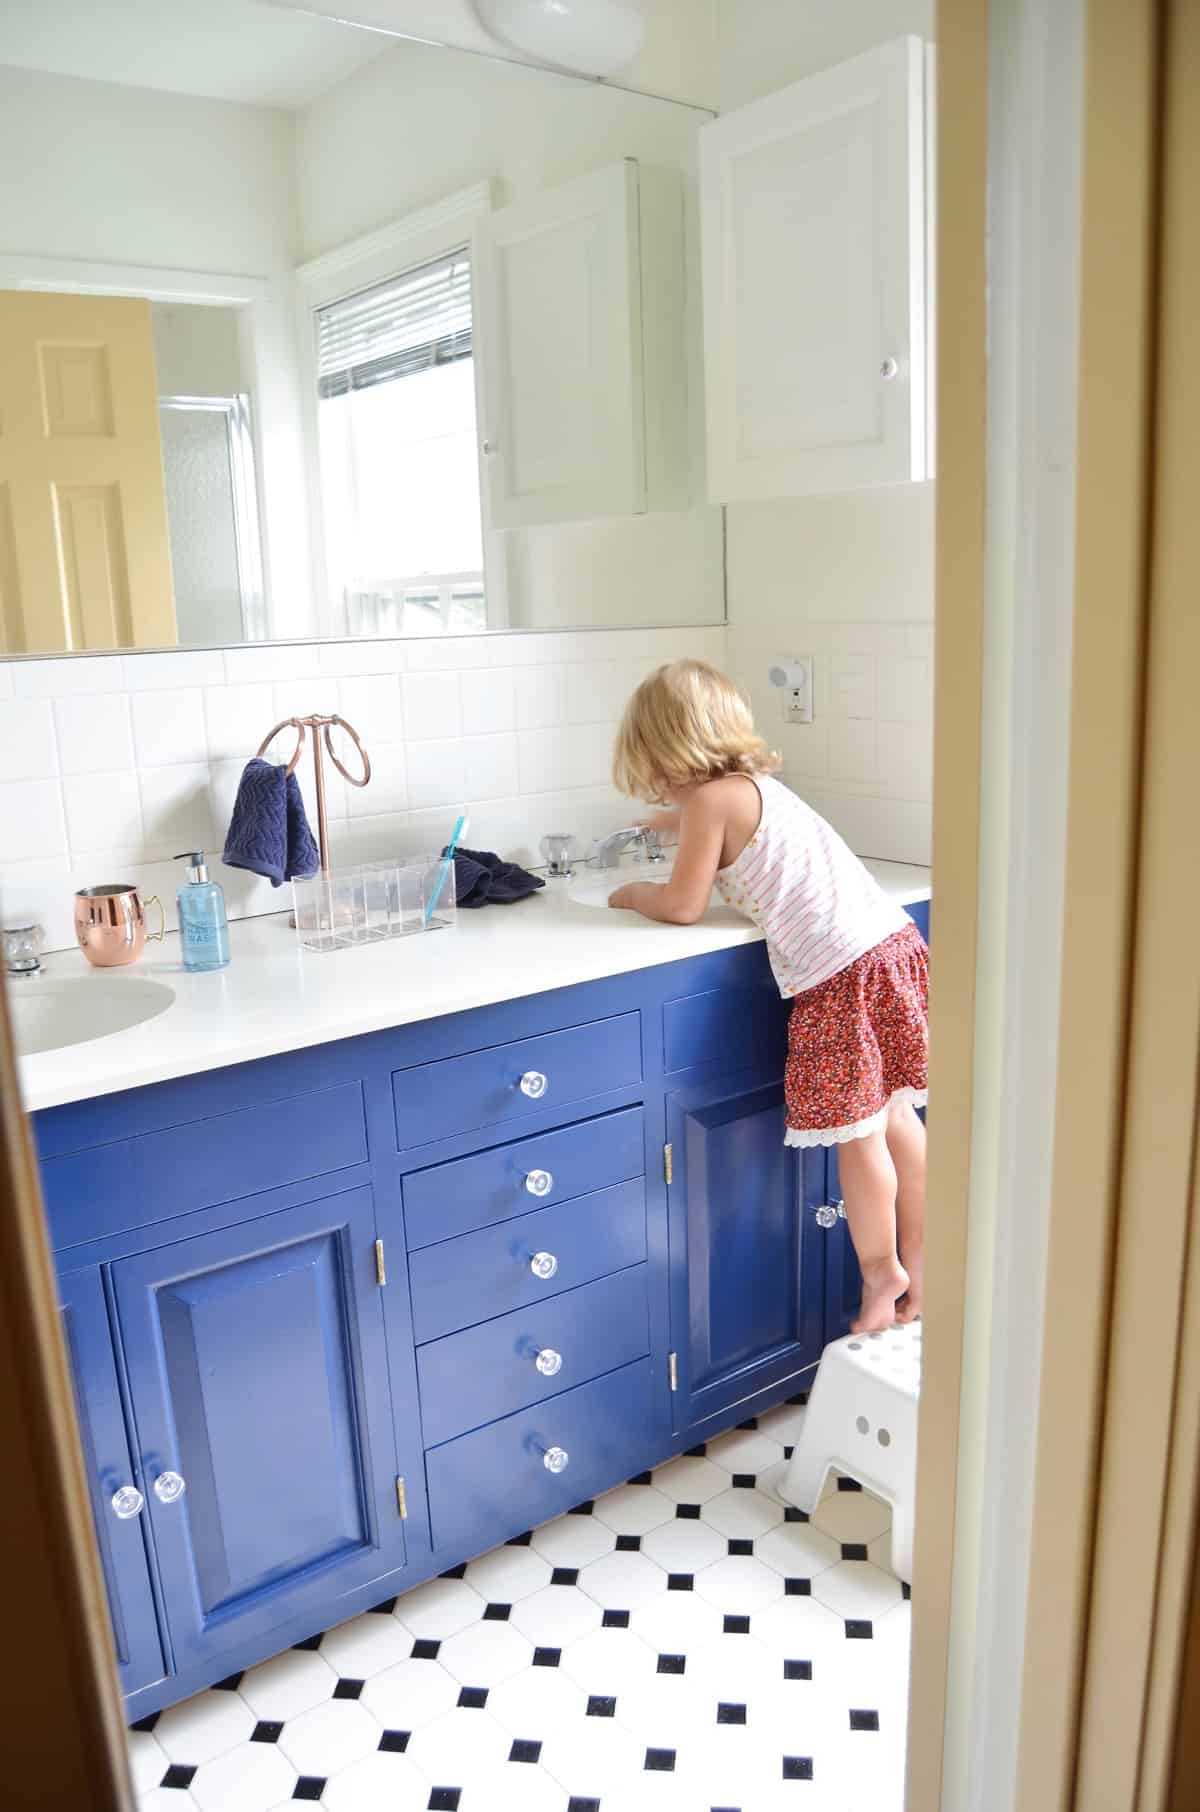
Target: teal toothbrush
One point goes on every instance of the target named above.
(460, 831)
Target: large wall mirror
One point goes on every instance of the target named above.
(310, 331)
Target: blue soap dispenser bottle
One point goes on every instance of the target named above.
(203, 926)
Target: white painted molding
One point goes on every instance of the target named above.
(395, 242)
(83, 277)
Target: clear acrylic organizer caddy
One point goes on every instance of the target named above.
(372, 901)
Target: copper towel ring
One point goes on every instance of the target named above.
(319, 727)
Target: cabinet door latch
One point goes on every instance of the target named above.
(380, 1267)
(673, 1370)
(669, 1163)
(401, 1500)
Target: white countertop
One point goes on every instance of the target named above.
(276, 997)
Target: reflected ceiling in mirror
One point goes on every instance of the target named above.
(311, 331)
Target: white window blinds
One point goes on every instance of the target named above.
(407, 324)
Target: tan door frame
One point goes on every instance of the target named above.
(1032, 1687)
(64, 1733)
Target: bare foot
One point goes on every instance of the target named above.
(883, 1281)
(909, 1308)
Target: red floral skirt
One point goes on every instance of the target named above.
(859, 1041)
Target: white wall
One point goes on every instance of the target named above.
(197, 350)
(847, 579)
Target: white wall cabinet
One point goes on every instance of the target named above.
(582, 374)
(813, 246)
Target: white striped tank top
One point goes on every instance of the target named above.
(806, 890)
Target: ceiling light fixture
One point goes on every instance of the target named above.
(592, 37)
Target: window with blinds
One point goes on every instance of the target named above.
(408, 324)
(399, 453)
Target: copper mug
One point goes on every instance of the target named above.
(110, 924)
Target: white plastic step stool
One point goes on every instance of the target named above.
(862, 1419)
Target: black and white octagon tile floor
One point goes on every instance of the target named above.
(683, 1644)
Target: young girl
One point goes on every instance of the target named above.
(853, 962)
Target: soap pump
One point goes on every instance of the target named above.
(203, 926)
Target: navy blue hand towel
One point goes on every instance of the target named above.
(482, 879)
(268, 831)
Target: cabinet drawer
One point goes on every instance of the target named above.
(485, 1088)
(458, 1197)
(726, 1028)
(155, 1176)
(465, 1280)
(491, 1370)
(495, 1481)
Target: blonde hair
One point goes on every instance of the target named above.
(686, 724)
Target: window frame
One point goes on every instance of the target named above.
(417, 238)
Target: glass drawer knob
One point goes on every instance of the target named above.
(888, 370)
(539, 1182)
(169, 1486)
(826, 1216)
(548, 1362)
(127, 1502)
(555, 1459)
(534, 1084)
(543, 1265)
(841, 1210)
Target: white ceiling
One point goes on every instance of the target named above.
(233, 50)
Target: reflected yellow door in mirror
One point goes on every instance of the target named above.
(85, 558)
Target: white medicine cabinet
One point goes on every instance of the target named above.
(580, 320)
(814, 247)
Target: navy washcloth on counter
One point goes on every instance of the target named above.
(482, 879)
(268, 831)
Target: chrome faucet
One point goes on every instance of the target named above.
(606, 851)
(22, 947)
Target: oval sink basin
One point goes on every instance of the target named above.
(592, 886)
(48, 1015)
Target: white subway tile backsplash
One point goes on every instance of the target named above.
(906, 692)
(236, 719)
(489, 766)
(372, 704)
(432, 706)
(103, 811)
(488, 701)
(73, 673)
(28, 747)
(906, 756)
(31, 812)
(852, 750)
(387, 790)
(176, 809)
(151, 749)
(852, 685)
(541, 697)
(174, 670)
(436, 775)
(805, 751)
(168, 727)
(93, 732)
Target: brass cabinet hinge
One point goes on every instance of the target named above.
(380, 1267)
(669, 1163)
(673, 1370)
(401, 1499)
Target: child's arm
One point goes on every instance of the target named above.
(684, 898)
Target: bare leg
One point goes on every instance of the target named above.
(906, 1143)
(869, 1191)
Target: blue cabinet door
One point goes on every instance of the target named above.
(746, 1261)
(258, 1377)
(112, 1478)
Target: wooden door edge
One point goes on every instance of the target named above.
(65, 1734)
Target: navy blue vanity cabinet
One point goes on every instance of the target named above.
(747, 1292)
(115, 1482)
(258, 1386)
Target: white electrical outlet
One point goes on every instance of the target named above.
(795, 678)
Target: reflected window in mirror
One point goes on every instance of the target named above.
(399, 468)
